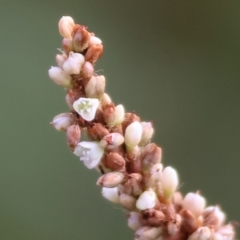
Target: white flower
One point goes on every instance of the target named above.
(146, 200)
(90, 153)
(86, 107)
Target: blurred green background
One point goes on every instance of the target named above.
(173, 62)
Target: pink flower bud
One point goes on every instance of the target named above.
(147, 133)
(202, 233)
(94, 40)
(147, 233)
(111, 194)
(111, 179)
(225, 232)
(80, 38)
(67, 45)
(62, 121)
(65, 26)
(112, 140)
(153, 217)
(60, 77)
(213, 216)
(146, 200)
(169, 181)
(127, 201)
(194, 203)
(73, 136)
(105, 100)
(151, 154)
(61, 58)
(73, 64)
(95, 87)
(94, 52)
(133, 135)
(72, 96)
(134, 221)
(87, 70)
(154, 175)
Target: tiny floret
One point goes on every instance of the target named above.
(86, 107)
(90, 153)
(146, 200)
(111, 194)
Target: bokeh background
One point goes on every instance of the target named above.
(173, 62)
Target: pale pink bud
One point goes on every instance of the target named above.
(111, 179)
(94, 52)
(202, 233)
(173, 226)
(87, 70)
(134, 221)
(72, 96)
(62, 121)
(127, 201)
(65, 26)
(105, 100)
(153, 217)
(80, 38)
(111, 194)
(61, 58)
(95, 87)
(189, 222)
(225, 232)
(213, 216)
(133, 135)
(112, 140)
(151, 154)
(94, 40)
(147, 133)
(146, 200)
(73, 136)
(169, 181)
(194, 203)
(74, 63)
(133, 184)
(67, 45)
(154, 175)
(147, 233)
(60, 77)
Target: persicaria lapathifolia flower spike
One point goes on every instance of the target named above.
(120, 147)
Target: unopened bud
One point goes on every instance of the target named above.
(134, 220)
(80, 38)
(111, 179)
(94, 52)
(67, 45)
(173, 226)
(128, 119)
(95, 87)
(87, 70)
(61, 58)
(213, 216)
(72, 96)
(97, 131)
(147, 133)
(60, 77)
(153, 217)
(73, 136)
(151, 154)
(154, 175)
(133, 135)
(146, 200)
(133, 184)
(225, 232)
(65, 26)
(105, 100)
(94, 40)
(62, 121)
(114, 161)
(73, 64)
(169, 181)
(112, 140)
(202, 233)
(111, 194)
(189, 222)
(113, 116)
(194, 203)
(127, 201)
(147, 233)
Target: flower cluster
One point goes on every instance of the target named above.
(120, 148)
